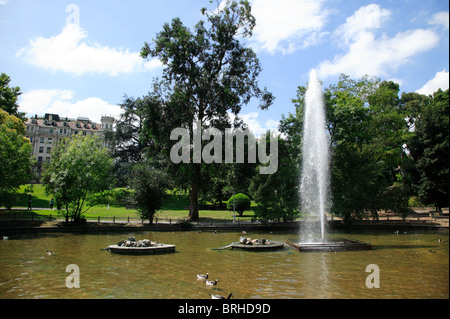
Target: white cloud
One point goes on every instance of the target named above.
(365, 18)
(287, 25)
(70, 52)
(440, 81)
(63, 102)
(254, 125)
(369, 55)
(440, 18)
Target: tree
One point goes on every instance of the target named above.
(277, 194)
(79, 168)
(208, 72)
(8, 97)
(15, 158)
(149, 186)
(367, 129)
(128, 139)
(239, 202)
(429, 147)
(368, 136)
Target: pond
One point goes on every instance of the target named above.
(412, 265)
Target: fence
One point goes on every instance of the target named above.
(31, 216)
(27, 216)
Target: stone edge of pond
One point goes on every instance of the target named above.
(8, 227)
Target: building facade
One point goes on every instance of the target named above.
(45, 132)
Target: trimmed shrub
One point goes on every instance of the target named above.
(241, 203)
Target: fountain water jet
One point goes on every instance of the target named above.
(314, 181)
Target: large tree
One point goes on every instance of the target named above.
(15, 157)
(429, 148)
(367, 129)
(79, 168)
(208, 72)
(128, 138)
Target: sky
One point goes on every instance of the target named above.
(81, 58)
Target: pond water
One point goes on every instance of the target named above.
(412, 265)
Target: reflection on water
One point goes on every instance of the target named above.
(411, 266)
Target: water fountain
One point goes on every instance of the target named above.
(314, 182)
(315, 164)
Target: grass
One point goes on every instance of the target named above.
(173, 209)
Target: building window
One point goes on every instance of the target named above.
(39, 159)
(49, 149)
(42, 140)
(47, 159)
(41, 149)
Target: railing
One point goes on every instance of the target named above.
(31, 216)
(27, 216)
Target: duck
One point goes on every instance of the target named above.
(220, 297)
(396, 232)
(49, 252)
(212, 283)
(202, 277)
(5, 237)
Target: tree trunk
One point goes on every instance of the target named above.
(193, 196)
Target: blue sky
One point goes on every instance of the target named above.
(79, 58)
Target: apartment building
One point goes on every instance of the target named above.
(45, 133)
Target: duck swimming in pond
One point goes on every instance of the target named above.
(202, 277)
(212, 283)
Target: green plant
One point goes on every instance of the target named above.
(241, 202)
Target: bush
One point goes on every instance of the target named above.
(265, 214)
(149, 185)
(241, 203)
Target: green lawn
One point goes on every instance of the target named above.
(173, 209)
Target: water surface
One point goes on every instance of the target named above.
(413, 265)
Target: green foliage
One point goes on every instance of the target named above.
(208, 73)
(429, 147)
(79, 169)
(128, 139)
(367, 136)
(8, 97)
(414, 202)
(149, 185)
(277, 194)
(367, 129)
(240, 202)
(15, 159)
